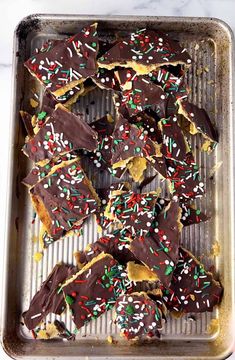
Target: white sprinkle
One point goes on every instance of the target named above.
(46, 186)
(35, 316)
(91, 48)
(62, 195)
(189, 61)
(162, 97)
(70, 52)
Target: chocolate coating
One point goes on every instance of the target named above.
(159, 249)
(135, 211)
(129, 141)
(95, 289)
(192, 289)
(72, 59)
(139, 93)
(48, 299)
(39, 172)
(174, 142)
(67, 196)
(102, 155)
(191, 216)
(145, 47)
(201, 120)
(170, 83)
(115, 244)
(153, 255)
(63, 132)
(185, 179)
(103, 194)
(146, 121)
(137, 315)
(27, 121)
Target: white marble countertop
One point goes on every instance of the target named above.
(13, 11)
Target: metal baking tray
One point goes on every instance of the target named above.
(210, 335)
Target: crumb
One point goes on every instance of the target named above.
(37, 256)
(110, 339)
(206, 69)
(215, 249)
(34, 238)
(196, 47)
(49, 332)
(213, 326)
(214, 169)
(33, 103)
(210, 82)
(199, 71)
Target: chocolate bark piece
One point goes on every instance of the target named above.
(48, 299)
(139, 93)
(104, 127)
(144, 51)
(49, 102)
(106, 79)
(199, 122)
(134, 211)
(146, 120)
(170, 83)
(192, 289)
(27, 121)
(166, 229)
(191, 215)
(47, 239)
(159, 249)
(159, 165)
(62, 133)
(95, 288)
(39, 172)
(103, 194)
(115, 244)
(174, 144)
(68, 63)
(137, 315)
(64, 198)
(129, 141)
(152, 254)
(171, 105)
(185, 181)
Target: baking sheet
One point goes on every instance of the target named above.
(210, 79)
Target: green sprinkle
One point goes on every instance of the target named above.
(198, 212)
(130, 309)
(69, 299)
(168, 270)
